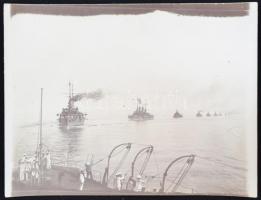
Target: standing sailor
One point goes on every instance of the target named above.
(48, 160)
(88, 168)
(82, 179)
(139, 184)
(22, 164)
(34, 172)
(27, 170)
(119, 180)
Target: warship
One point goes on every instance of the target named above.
(71, 116)
(208, 114)
(177, 115)
(198, 114)
(140, 114)
(215, 114)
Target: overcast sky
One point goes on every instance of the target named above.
(210, 62)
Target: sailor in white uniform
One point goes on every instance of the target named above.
(48, 160)
(82, 179)
(119, 180)
(139, 184)
(22, 165)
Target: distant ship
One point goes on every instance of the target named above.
(215, 114)
(199, 114)
(71, 116)
(140, 114)
(177, 115)
(208, 114)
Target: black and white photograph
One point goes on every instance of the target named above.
(130, 99)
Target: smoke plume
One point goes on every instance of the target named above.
(95, 95)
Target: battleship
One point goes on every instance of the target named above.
(71, 116)
(37, 173)
(140, 114)
(177, 115)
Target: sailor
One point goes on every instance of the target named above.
(88, 169)
(132, 184)
(82, 179)
(33, 172)
(48, 160)
(22, 168)
(27, 169)
(119, 180)
(139, 184)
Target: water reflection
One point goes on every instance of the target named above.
(74, 129)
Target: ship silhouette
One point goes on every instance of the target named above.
(199, 114)
(140, 114)
(71, 116)
(177, 115)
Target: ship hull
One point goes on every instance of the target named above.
(68, 123)
(140, 118)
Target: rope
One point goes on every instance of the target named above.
(181, 178)
(156, 163)
(173, 182)
(120, 163)
(190, 162)
(99, 161)
(118, 152)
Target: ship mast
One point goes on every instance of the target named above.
(69, 90)
(70, 96)
(40, 136)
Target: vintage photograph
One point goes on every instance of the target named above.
(130, 99)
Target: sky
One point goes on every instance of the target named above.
(168, 60)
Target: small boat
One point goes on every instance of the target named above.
(177, 115)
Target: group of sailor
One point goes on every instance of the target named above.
(86, 174)
(29, 167)
(138, 184)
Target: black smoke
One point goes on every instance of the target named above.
(95, 95)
